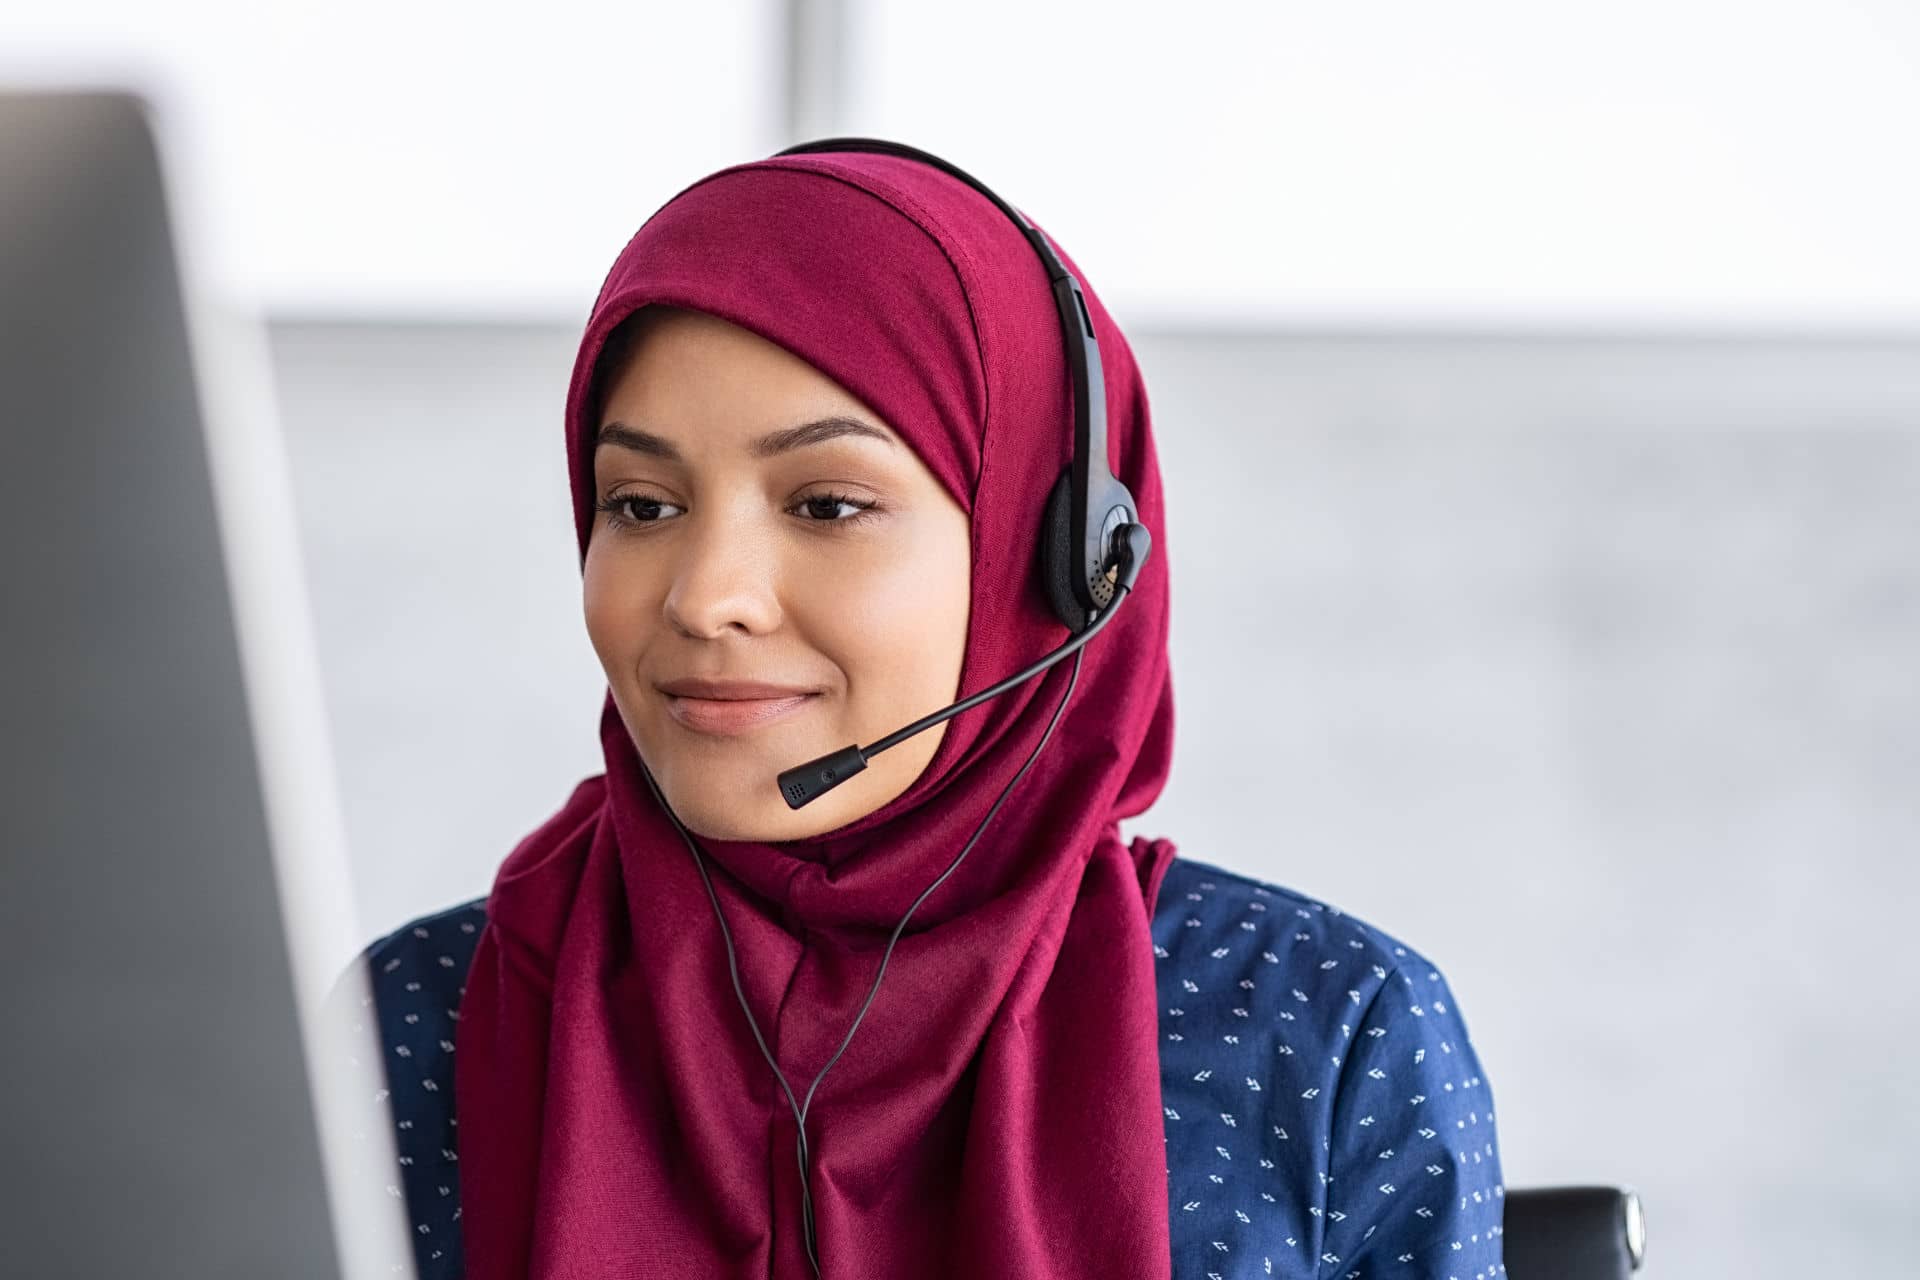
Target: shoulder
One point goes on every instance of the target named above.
(1208, 913)
(1281, 958)
(441, 940)
(422, 963)
(1327, 1052)
(414, 978)
(1242, 960)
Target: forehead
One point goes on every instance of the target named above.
(665, 354)
(665, 351)
(672, 373)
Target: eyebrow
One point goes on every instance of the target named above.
(785, 440)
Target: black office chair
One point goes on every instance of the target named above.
(1572, 1233)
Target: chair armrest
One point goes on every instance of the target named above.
(1572, 1233)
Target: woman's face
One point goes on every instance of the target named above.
(747, 530)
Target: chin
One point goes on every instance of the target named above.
(734, 818)
(739, 799)
(724, 810)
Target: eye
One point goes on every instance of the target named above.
(828, 502)
(819, 508)
(617, 508)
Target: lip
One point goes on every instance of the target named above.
(733, 715)
(728, 690)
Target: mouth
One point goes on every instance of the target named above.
(729, 716)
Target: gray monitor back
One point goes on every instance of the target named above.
(155, 1116)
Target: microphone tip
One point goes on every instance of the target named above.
(806, 782)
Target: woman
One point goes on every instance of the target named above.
(813, 425)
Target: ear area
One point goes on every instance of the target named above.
(1057, 536)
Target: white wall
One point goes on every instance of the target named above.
(1674, 162)
(406, 156)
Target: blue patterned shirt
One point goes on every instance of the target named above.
(1326, 1115)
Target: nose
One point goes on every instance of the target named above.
(723, 580)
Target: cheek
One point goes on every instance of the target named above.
(896, 624)
(609, 600)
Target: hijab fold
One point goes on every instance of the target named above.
(998, 1111)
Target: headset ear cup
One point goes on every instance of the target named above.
(1057, 535)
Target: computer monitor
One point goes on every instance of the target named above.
(171, 913)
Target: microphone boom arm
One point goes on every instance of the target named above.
(807, 782)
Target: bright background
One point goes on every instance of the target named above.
(1672, 161)
(1538, 390)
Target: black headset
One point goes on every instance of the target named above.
(1092, 547)
(1092, 543)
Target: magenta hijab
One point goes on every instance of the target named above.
(998, 1112)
